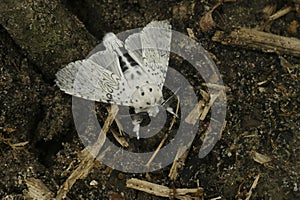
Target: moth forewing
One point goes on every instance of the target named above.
(102, 78)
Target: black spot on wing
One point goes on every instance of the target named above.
(109, 96)
(138, 72)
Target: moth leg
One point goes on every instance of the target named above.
(170, 110)
(136, 127)
(153, 111)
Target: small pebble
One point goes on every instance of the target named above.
(93, 183)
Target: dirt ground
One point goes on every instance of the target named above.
(38, 138)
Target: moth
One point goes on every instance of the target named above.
(130, 73)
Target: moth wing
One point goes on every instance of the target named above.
(109, 60)
(133, 45)
(156, 46)
(151, 49)
(89, 80)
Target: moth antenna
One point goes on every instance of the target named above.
(170, 109)
(166, 101)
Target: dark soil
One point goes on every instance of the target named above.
(262, 118)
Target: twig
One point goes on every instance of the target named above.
(206, 109)
(216, 198)
(287, 66)
(266, 42)
(178, 161)
(121, 140)
(163, 191)
(280, 13)
(90, 153)
(157, 150)
(198, 109)
(14, 146)
(216, 86)
(165, 136)
(252, 187)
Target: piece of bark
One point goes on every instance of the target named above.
(48, 34)
(266, 42)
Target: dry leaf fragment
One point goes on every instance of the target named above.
(37, 189)
(292, 28)
(115, 196)
(260, 158)
(207, 22)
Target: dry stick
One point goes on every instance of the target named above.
(267, 42)
(119, 136)
(89, 153)
(198, 109)
(288, 67)
(157, 150)
(280, 13)
(216, 86)
(165, 137)
(163, 191)
(216, 198)
(180, 157)
(179, 161)
(252, 187)
(121, 140)
(191, 119)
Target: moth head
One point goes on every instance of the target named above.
(146, 96)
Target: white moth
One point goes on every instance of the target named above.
(109, 76)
